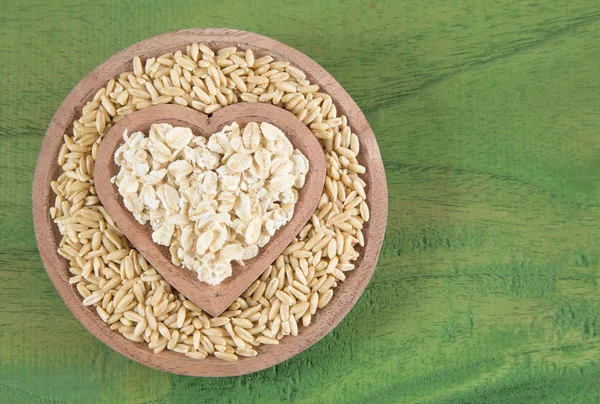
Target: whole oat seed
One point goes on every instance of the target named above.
(104, 266)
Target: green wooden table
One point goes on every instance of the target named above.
(488, 117)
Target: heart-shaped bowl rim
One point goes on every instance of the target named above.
(213, 299)
(325, 320)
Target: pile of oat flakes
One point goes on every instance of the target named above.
(211, 201)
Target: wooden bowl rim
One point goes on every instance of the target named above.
(344, 297)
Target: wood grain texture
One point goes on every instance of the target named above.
(487, 116)
(213, 299)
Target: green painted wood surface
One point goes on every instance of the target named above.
(488, 117)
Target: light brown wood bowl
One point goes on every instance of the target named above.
(212, 299)
(345, 295)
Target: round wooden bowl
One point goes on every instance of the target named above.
(345, 296)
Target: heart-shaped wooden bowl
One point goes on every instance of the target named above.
(212, 299)
(345, 295)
